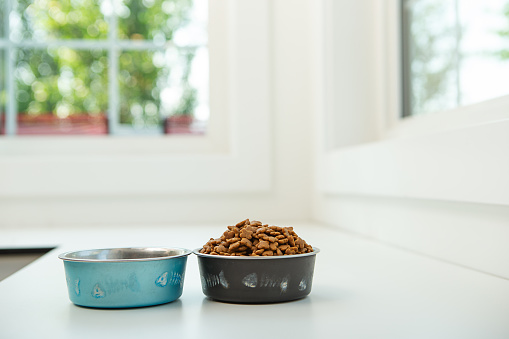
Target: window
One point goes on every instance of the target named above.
(103, 67)
(239, 48)
(433, 183)
(457, 155)
(455, 53)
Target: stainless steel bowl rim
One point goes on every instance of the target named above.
(247, 257)
(185, 252)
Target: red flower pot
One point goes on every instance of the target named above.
(50, 124)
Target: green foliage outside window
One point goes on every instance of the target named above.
(152, 19)
(66, 81)
(62, 19)
(63, 81)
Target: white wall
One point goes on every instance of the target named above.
(289, 194)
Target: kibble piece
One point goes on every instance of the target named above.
(233, 229)
(229, 234)
(242, 223)
(289, 251)
(284, 247)
(245, 233)
(273, 246)
(268, 253)
(232, 240)
(263, 244)
(260, 251)
(291, 241)
(246, 242)
(261, 230)
(251, 228)
(234, 246)
(300, 243)
(220, 249)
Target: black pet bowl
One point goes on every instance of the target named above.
(247, 279)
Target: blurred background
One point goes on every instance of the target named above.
(384, 118)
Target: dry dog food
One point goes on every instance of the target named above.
(253, 238)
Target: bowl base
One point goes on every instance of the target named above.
(243, 302)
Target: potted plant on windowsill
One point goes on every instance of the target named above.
(181, 119)
(48, 123)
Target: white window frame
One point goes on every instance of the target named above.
(457, 155)
(233, 157)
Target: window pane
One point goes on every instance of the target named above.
(160, 20)
(162, 88)
(139, 94)
(61, 91)
(454, 53)
(432, 46)
(63, 19)
(484, 65)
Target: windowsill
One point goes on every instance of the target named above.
(467, 164)
(81, 146)
(490, 111)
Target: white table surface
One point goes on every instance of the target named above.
(361, 289)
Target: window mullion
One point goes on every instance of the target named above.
(10, 85)
(84, 44)
(457, 51)
(113, 88)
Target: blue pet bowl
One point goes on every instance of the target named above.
(125, 277)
